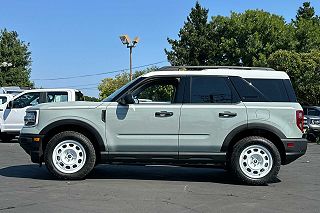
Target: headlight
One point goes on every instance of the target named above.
(31, 118)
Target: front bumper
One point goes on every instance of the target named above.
(31, 146)
(295, 148)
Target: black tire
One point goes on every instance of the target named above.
(243, 144)
(4, 137)
(88, 149)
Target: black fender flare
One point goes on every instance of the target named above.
(244, 127)
(82, 124)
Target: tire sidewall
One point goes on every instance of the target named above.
(242, 145)
(88, 148)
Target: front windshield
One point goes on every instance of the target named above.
(118, 91)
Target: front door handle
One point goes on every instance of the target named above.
(163, 114)
(227, 114)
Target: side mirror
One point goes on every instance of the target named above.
(127, 99)
(10, 105)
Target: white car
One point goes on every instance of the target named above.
(5, 98)
(13, 110)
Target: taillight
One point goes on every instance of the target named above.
(299, 119)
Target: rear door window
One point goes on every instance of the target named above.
(57, 97)
(211, 89)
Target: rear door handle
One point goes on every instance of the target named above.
(227, 114)
(163, 114)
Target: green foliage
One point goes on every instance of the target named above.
(303, 68)
(89, 98)
(254, 38)
(193, 46)
(14, 51)
(242, 39)
(305, 12)
(109, 85)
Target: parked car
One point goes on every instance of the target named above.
(312, 122)
(247, 118)
(13, 111)
(5, 98)
(12, 90)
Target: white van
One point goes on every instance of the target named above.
(13, 111)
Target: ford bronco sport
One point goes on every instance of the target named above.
(246, 118)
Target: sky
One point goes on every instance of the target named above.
(78, 37)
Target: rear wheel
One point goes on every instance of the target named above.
(255, 160)
(70, 155)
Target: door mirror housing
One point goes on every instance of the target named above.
(127, 99)
(10, 105)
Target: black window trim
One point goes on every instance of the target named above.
(41, 100)
(46, 95)
(180, 89)
(188, 89)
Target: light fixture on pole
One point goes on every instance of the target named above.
(130, 44)
(5, 64)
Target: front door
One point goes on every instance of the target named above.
(149, 128)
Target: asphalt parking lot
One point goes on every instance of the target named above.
(24, 187)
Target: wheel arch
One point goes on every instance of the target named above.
(264, 130)
(77, 126)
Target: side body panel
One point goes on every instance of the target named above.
(281, 115)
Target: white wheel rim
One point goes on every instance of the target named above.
(256, 161)
(69, 156)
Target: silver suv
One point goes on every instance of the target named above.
(246, 118)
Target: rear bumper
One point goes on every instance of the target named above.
(295, 148)
(32, 147)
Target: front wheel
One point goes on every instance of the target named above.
(70, 155)
(255, 160)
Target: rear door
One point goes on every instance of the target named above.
(210, 112)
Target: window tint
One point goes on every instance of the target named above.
(273, 89)
(290, 91)
(79, 96)
(3, 100)
(57, 97)
(247, 92)
(157, 91)
(206, 89)
(313, 112)
(28, 99)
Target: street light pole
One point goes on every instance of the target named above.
(131, 63)
(126, 41)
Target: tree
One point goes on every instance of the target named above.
(89, 98)
(306, 29)
(193, 46)
(305, 12)
(242, 39)
(14, 51)
(109, 85)
(304, 71)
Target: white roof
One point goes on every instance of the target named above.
(263, 74)
(50, 90)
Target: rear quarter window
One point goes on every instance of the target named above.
(273, 89)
